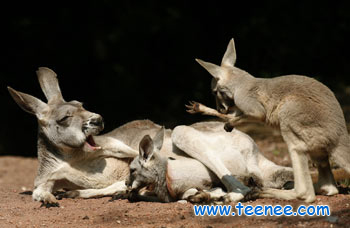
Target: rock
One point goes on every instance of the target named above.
(332, 219)
(182, 201)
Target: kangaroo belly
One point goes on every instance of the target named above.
(184, 174)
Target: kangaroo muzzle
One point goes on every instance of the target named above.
(93, 125)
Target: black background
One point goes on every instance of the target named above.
(130, 60)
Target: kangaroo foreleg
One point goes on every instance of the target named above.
(232, 119)
(112, 147)
(118, 187)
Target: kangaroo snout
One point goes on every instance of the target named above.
(97, 121)
(93, 125)
(221, 107)
(129, 181)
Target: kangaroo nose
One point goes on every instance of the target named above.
(222, 109)
(97, 121)
(128, 182)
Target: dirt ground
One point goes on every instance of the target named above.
(18, 210)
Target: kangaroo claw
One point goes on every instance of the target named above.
(48, 205)
(193, 107)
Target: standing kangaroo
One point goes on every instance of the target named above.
(306, 111)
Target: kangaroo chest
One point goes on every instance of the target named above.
(98, 172)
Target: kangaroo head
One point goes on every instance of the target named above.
(65, 125)
(226, 78)
(147, 166)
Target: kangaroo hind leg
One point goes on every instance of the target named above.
(326, 184)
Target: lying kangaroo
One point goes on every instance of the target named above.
(180, 178)
(68, 152)
(72, 156)
(306, 111)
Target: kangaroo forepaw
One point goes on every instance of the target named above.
(69, 194)
(46, 198)
(49, 201)
(228, 127)
(126, 195)
(48, 205)
(193, 107)
(252, 195)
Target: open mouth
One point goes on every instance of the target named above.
(91, 143)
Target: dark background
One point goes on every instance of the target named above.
(130, 60)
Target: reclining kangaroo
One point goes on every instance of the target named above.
(180, 178)
(306, 111)
(71, 155)
(68, 156)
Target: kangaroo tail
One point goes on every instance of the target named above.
(339, 174)
(341, 154)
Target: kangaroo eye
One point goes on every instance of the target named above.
(64, 119)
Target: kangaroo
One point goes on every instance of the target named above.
(307, 113)
(70, 154)
(180, 178)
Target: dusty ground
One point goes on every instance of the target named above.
(18, 210)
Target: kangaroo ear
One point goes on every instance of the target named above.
(146, 148)
(158, 139)
(215, 70)
(49, 84)
(230, 57)
(28, 103)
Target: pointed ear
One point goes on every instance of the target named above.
(158, 139)
(229, 58)
(146, 148)
(28, 103)
(49, 84)
(215, 70)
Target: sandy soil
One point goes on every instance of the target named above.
(18, 210)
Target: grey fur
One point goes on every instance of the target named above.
(66, 160)
(306, 111)
(184, 175)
